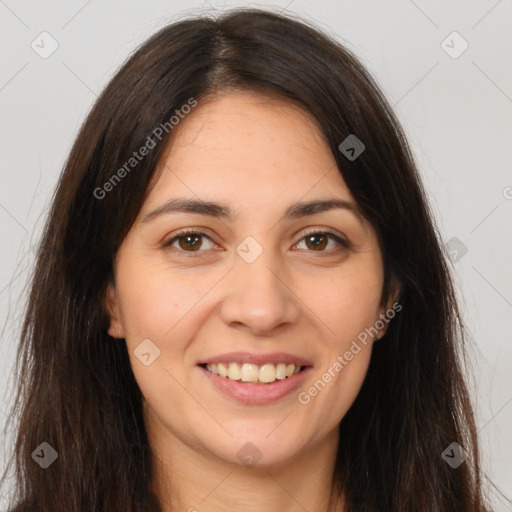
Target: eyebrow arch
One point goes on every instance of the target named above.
(295, 211)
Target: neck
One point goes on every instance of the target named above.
(187, 479)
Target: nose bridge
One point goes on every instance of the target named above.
(257, 296)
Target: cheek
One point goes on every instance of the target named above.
(163, 307)
(158, 307)
(338, 382)
(154, 300)
(349, 306)
(350, 302)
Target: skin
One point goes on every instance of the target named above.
(258, 156)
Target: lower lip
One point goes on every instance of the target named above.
(257, 394)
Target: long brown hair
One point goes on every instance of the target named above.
(76, 390)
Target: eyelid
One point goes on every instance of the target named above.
(183, 232)
(339, 238)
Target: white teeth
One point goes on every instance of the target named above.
(214, 368)
(267, 373)
(253, 373)
(223, 371)
(234, 371)
(281, 371)
(249, 372)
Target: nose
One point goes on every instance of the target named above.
(258, 298)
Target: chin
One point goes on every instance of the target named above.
(257, 449)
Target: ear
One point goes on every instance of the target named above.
(112, 305)
(389, 310)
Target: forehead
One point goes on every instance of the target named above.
(249, 149)
(236, 123)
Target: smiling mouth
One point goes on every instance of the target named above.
(249, 373)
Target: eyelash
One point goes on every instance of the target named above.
(345, 244)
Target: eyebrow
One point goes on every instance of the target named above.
(212, 209)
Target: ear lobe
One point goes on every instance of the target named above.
(382, 324)
(392, 308)
(111, 303)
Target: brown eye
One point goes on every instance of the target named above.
(318, 241)
(188, 242)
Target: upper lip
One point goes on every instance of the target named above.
(257, 359)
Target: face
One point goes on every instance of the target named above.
(257, 280)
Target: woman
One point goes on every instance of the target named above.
(240, 299)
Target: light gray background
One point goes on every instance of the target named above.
(456, 113)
